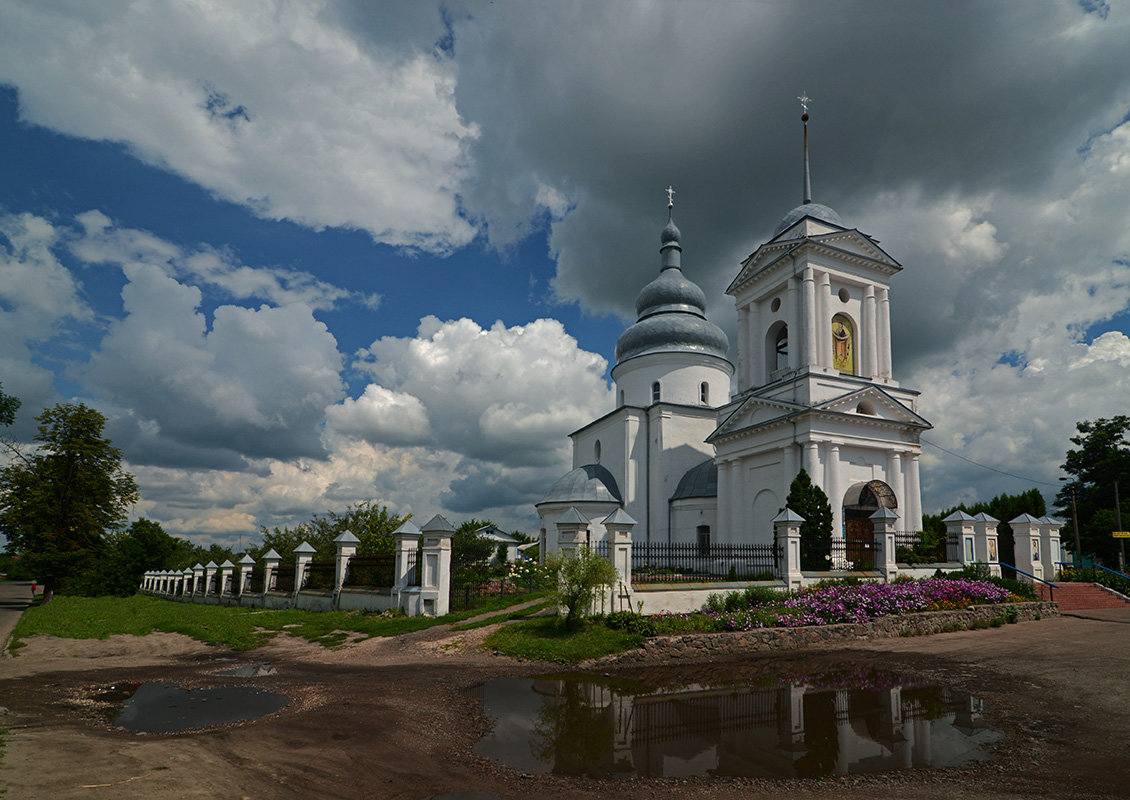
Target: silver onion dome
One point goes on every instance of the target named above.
(671, 311)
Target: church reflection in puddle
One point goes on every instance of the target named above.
(807, 727)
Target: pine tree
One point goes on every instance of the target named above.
(809, 500)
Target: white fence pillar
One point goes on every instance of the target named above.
(1026, 539)
(346, 545)
(435, 579)
(210, 570)
(271, 561)
(198, 579)
(985, 543)
(883, 525)
(246, 565)
(786, 533)
(303, 555)
(227, 573)
(619, 525)
(959, 537)
(1050, 551)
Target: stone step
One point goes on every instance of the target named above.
(1082, 597)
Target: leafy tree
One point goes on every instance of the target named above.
(809, 500)
(470, 551)
(8, 407)
(372, 524)
(1101, 459)
(57, 503)
(579, 576)
(124, 557)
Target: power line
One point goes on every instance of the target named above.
(986, 466)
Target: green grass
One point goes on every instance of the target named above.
(237, 628)
(506, 616)
(545, 639)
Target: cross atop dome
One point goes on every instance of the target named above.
(670, 197)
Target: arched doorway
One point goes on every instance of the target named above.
(861, 501)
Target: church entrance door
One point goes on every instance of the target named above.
(860, 502)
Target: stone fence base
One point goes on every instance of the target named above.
(723, 646)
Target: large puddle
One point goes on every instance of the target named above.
(833, 724)
(169, 708)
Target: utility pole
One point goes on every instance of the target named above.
(1075, 524)
(1118, 524)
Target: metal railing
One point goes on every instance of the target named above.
(370, 571)
(662, 562)
(1051, 586)
(1092, 566)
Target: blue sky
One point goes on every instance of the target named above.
(305, 255)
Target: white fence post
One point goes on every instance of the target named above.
(1026, 540)
(435, 581)
(303, 555)
(271, 561)
(883, 523)
(346, 545)
(985, 542)
(246, 564)
(619, 525)
(959, 537)
(786, 534)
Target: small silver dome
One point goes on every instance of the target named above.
(670, 233)
(592, 483)
(816, 210)
(672, 332)
(671, 291)
(700, 480)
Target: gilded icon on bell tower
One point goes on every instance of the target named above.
(843, 344)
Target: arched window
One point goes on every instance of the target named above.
(843, 344)
(703, 537)
(704, 393)
(655, 392)
(621, 397)
(781, 348)
(596, 451)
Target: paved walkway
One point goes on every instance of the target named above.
(15, 596)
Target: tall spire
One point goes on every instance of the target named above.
(669, 239)
(804, 101)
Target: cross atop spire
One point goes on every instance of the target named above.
(804, 101)
(670, 197)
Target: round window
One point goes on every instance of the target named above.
(775, 305)
(844, 296)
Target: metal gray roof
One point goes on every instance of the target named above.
(815, 210)
(700, 480)
(671, 312)
(592, 482)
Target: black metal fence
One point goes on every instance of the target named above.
(319, 576)
(662, 562)
(851, 554)
(284, 579)
(471, 592)
(920, 547)
(374, 572)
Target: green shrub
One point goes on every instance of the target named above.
(631, 622)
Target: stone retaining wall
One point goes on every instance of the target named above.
(711, 646)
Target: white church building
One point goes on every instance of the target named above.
(698, 451)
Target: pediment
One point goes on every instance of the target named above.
(849, 246)
(876, 404)
(754, 412)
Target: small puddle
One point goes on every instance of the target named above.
(810, 727)
(168, 708)
(249, 671)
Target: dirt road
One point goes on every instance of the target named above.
(387, 719)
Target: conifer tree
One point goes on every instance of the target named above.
(809, 500)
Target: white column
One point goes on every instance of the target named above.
(907, 494)
(832, 487)
(740, 534)
(788, 463)
(808, 317)
(869, 369)
(824, 320)
(741, 356)
(897, 481)
(915, 520)
(725, 534)
(755, 348)
(884, 334)
(793, 321)
(812, 462)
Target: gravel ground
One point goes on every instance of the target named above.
(387, 718)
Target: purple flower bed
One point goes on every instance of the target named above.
(862, 603)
